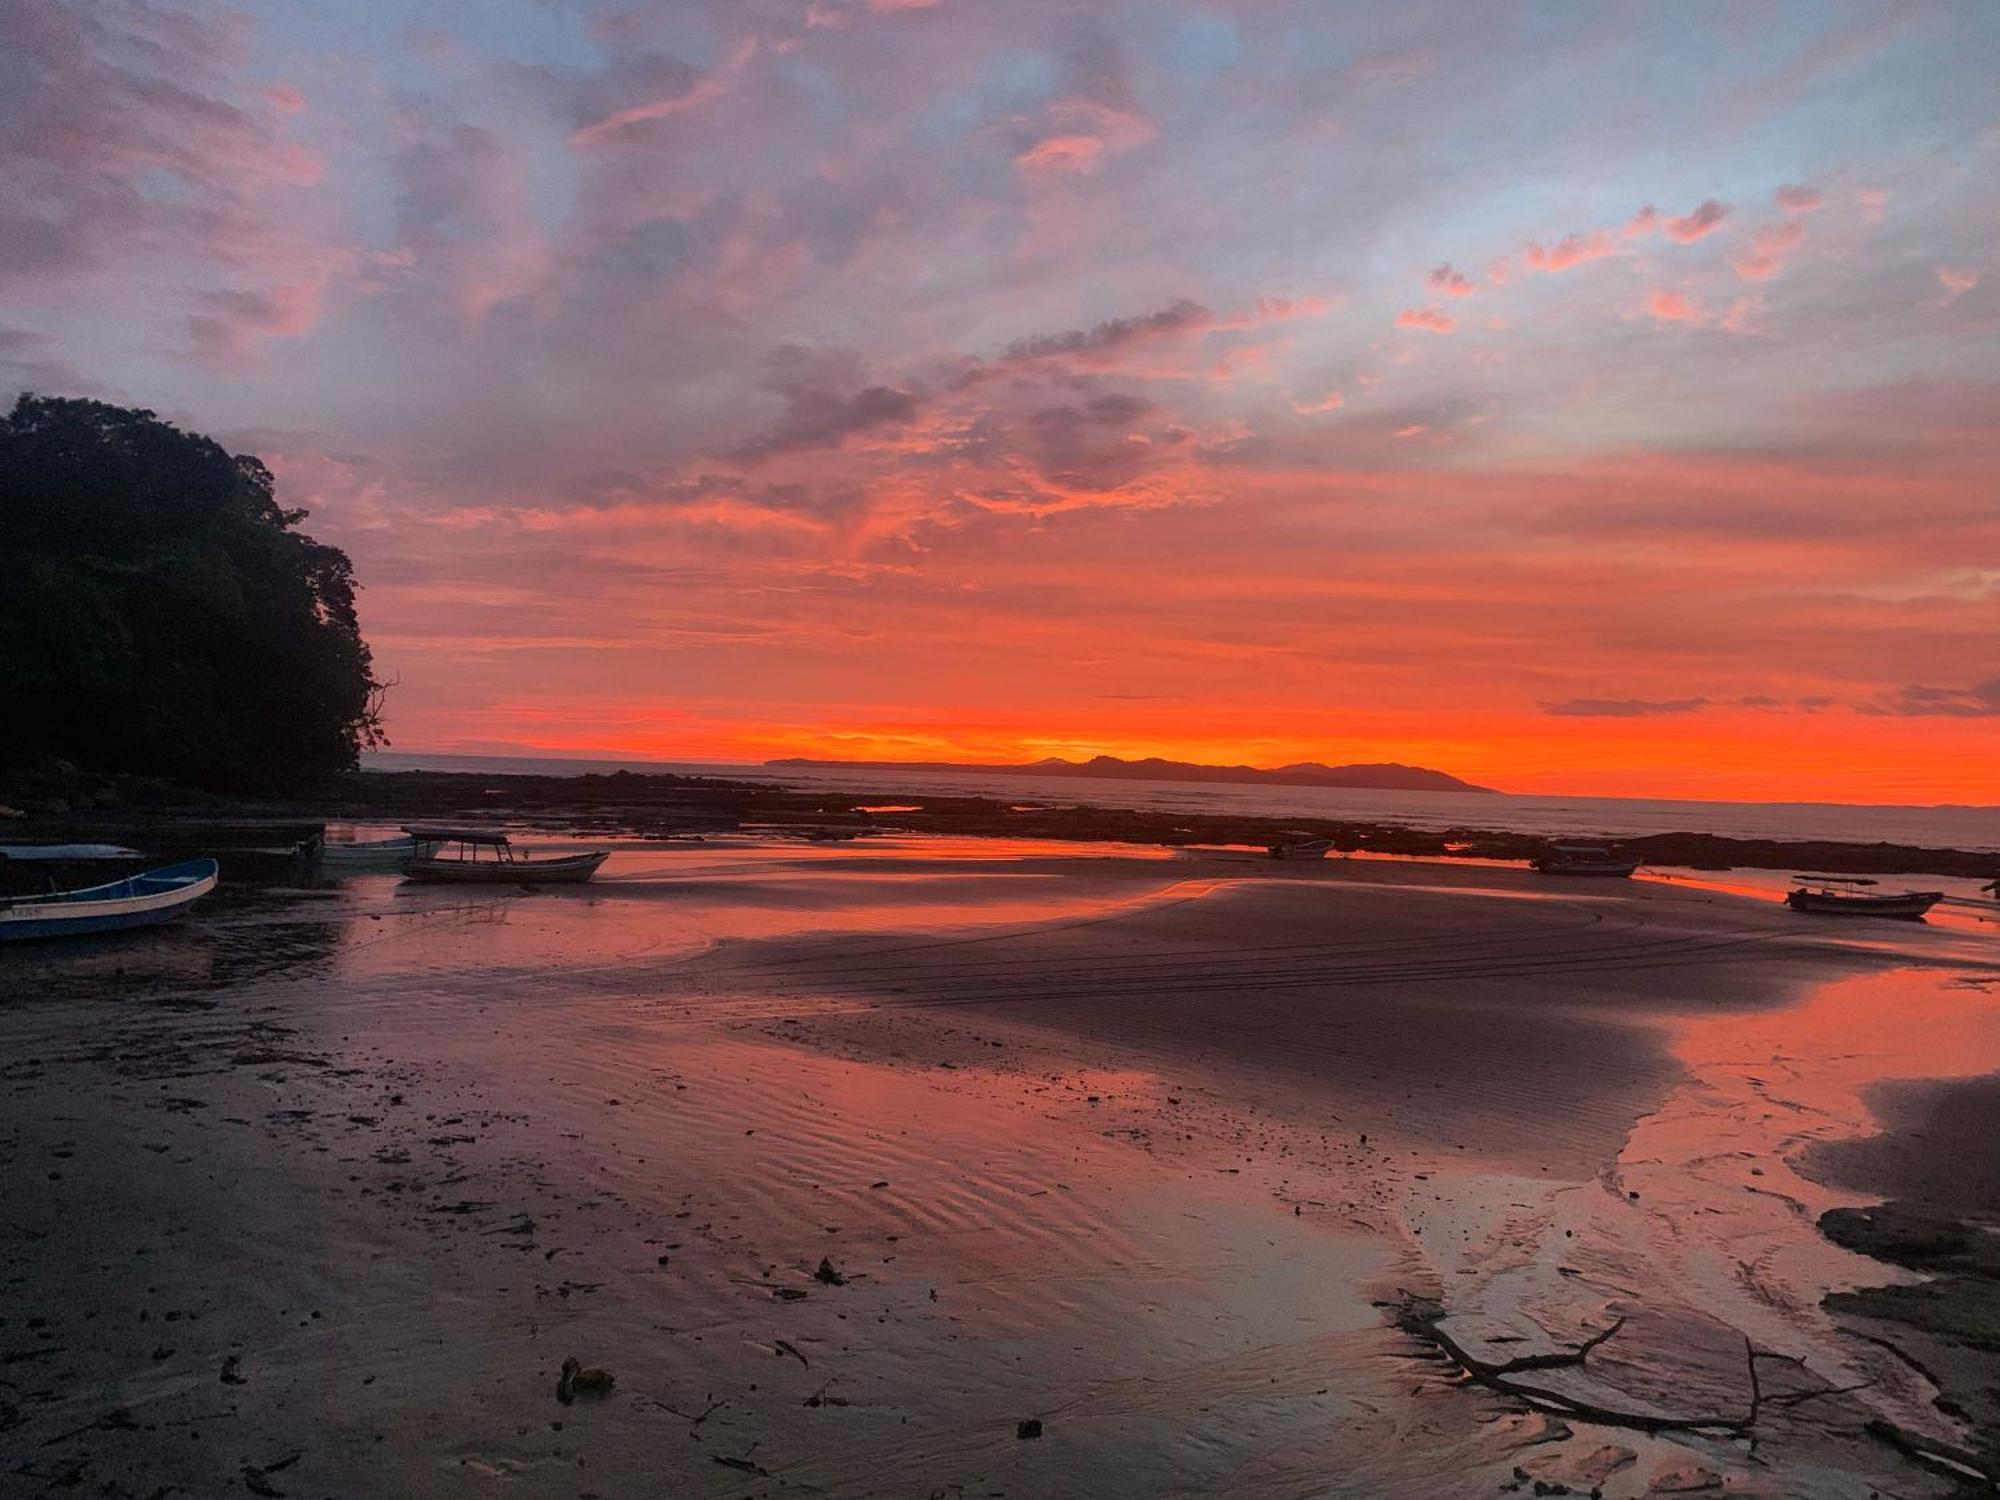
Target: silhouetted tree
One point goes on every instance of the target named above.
(159, 611)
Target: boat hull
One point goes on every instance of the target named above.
(568, 869)
(1612, 869)
(1305, 849)
(139, 901)
(381, 854)
(1908, 906)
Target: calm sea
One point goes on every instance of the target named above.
(1610, 817)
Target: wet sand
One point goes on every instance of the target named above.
(314, 1194)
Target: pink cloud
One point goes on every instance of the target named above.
(1571, 250)
(1331, 401)
(1768, 250)
(1500, 272)
(1428, 318)
(1447, 282)
(1673, 307)
(1061, 153)
(1705, 220)
(1797, 200)
(1082, 135)
(675, 89)
(1874, 203)
(1956, 281)
(1743, 314)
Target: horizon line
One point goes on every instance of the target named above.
(601, 757)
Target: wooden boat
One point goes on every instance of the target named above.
(1302, 849)
(1586, 859)
(468, 866)
(362, 854)
(136, 901)
(1844, 896)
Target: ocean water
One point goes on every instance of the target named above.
(1550, 817)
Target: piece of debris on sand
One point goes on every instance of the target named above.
(828, 1273)
(1030, 1427)
(578, 1380)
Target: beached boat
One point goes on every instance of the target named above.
(362, 854)
(136, 901)
(1586, 859)
(467, 865)
(1845, 896)
(26, 854)
(1302, 849)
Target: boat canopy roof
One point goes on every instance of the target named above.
(432, 835)
(1832, 880)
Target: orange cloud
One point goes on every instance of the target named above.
(1427, 318)
(1673, 307)
(1571, 250)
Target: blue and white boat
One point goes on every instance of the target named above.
(137, 901)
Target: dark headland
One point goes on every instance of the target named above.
(1387, 776)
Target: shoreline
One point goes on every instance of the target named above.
(668, 805)
(1140, 1148)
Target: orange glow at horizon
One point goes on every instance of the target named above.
(1742, 757)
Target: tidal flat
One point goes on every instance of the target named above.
(954, 1166)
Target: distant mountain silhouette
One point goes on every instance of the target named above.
(1379, 775)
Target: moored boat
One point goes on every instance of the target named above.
(136, 901)
(1301, 848)
(361, 854)
(1586, 859)
(468, 866)
(1846, 896)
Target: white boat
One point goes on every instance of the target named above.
(137, 901)
(359, 854)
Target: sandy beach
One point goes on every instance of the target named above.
(846, 1161)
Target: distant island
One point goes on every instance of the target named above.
(1385, 776)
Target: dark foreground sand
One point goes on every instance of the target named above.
(315, 1194)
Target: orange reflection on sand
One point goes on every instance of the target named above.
(664, 904)
(1821, 1055)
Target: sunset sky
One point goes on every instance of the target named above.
(1586, 398)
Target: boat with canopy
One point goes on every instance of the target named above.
(1849, 896)
(460, 856)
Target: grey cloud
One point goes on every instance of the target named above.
(1916, 700)
(1622, 708)
(1181, 317)
(825, 403)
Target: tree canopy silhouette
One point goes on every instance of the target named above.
(161, 614)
